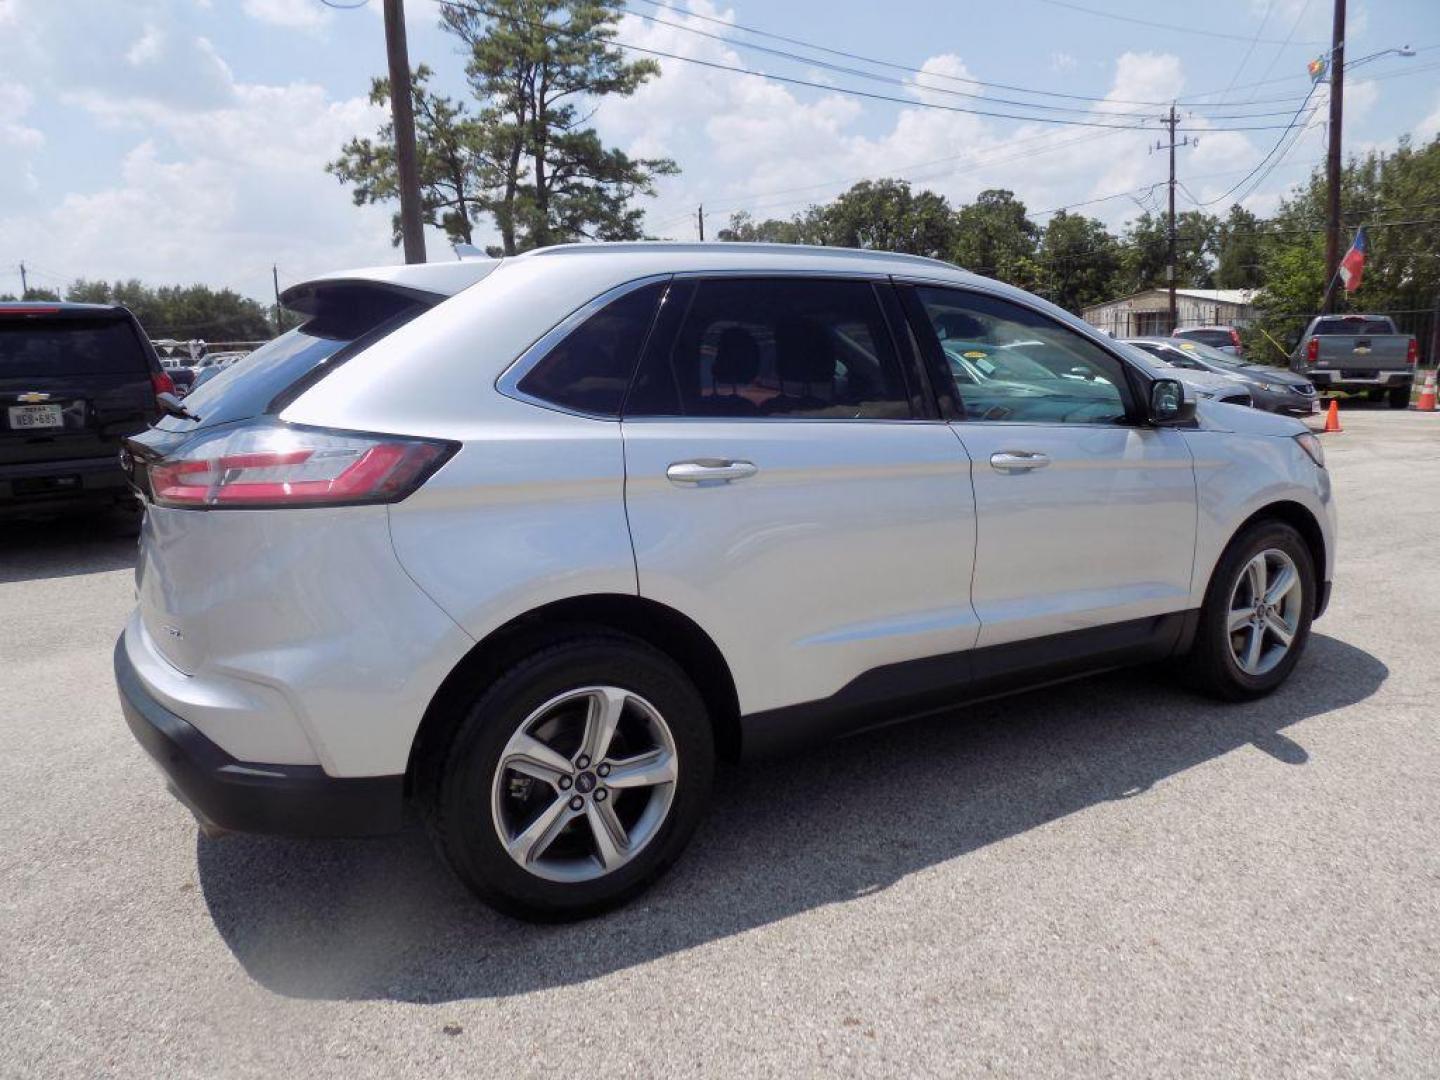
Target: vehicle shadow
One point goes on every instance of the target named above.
(385, 919)
(63, 546)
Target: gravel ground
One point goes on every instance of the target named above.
(1109, 878)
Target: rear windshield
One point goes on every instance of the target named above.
(272, 375)
(31, 347)
(1353, 326)
(1217, 338)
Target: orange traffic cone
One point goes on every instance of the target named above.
(1427, 395)
(1332, 417)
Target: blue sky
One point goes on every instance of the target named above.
(185, 140)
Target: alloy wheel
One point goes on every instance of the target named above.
(584, 784)
(1264, 612)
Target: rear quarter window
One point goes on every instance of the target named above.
(48, 346)
(283, 368)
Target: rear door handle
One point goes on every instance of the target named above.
(1012, 461)
(709, 471)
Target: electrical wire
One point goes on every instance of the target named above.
(850, 91)
(1191, 30)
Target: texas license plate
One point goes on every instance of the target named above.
(26, 417)
(1315, 406)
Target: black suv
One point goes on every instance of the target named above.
(75, 379)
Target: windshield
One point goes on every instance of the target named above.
(69, 347)
(1209, 355)
(1353, 324)
(1215, 338)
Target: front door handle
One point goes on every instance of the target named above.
(710, 471)
(1012, 461)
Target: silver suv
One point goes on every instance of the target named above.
(528, 545)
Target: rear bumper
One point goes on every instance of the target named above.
(1370, 380)
(286, 800)
(38, 483)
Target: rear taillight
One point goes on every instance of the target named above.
(275, 465)
(1235, 340)
(1412, 352)
(1312, 350)
(162, 383)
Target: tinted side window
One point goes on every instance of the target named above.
(590, 370)
(1010, 363)
(758, 348)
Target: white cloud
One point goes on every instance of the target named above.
(294, 14)
(1063, 62)
(19, 143)
(1429, 127)
(147, 48)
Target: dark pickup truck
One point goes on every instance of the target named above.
(75, 379)
(1358, 354)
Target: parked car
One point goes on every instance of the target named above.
(75, 379)
(1201, 384)
(181, 375)
(1271, 389)
(544, 537)
(1224, 338)
(1358, 354)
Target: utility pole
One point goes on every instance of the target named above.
(24, 282)
(403, 115)
(700, 220)
(1170, 119)
(275, 276)
(1332, 156)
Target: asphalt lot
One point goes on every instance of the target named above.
(1109, 878)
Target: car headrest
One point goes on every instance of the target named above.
(737, 358)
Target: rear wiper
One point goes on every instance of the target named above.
(173, 406)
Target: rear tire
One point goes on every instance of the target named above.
(1399, 399)
(1225, 660)
(504, 812)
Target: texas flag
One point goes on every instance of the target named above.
(1352, 266)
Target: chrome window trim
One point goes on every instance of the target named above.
(508, 383)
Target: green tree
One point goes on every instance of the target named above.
(538, 67)
(1145, 253)
(33, 294)
(1396, 197)
(454, 172)
(1237, 250)
(887, 216)
(1077, 262)
(994, 237)
(181, 311)
(806, 228)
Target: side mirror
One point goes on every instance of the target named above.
(1168, 405)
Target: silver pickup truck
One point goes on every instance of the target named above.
(1358, 354)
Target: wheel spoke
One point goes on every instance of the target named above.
(1240, 618)
(644, 770)
(606, 705)
(532, 843)
(610, 838)
(1258, 574)
(1253, 649)
(532, 757)
(1284, 582)
(1280, 629)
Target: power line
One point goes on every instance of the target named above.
(1261, 163)
(817, 47)
(1299, 17)
(1192, 31)
(851, 91)
(914, 72)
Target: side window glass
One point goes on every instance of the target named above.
(763, 348)
(1009, 363)
(590, 370)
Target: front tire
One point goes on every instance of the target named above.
(1399, 398)
(575, 780)
(1256, 618)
